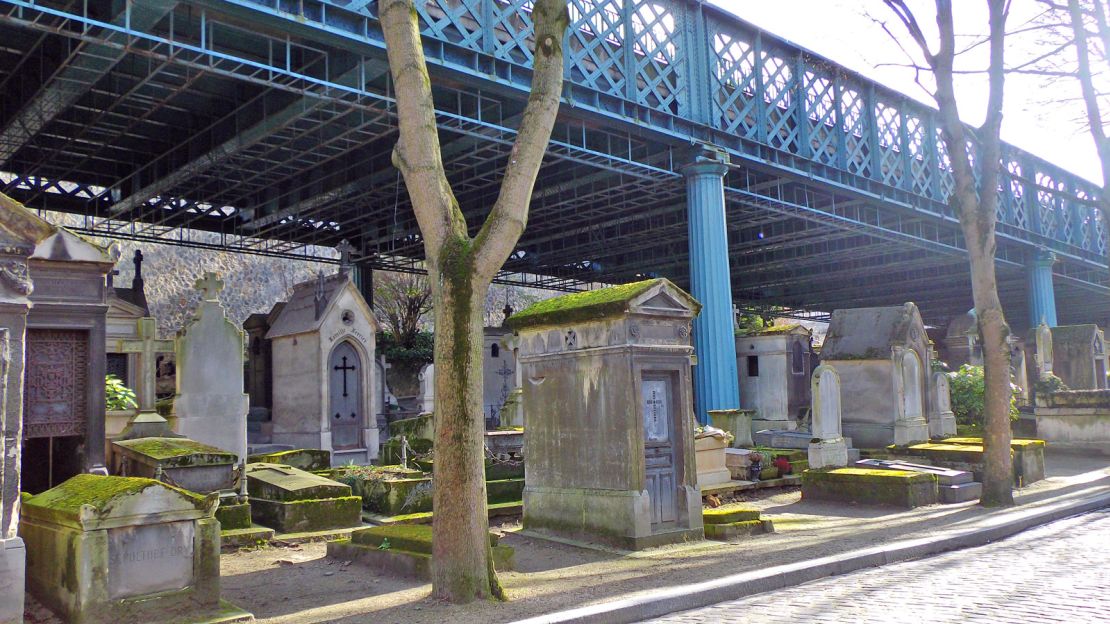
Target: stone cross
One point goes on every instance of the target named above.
(146, 348)
(210, 286)
(345, 248)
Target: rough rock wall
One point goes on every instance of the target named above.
(251, 283)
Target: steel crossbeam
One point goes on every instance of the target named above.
(291, 122)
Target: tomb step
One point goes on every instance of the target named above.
(961, 492)
(742, 528)
(853, 454)
(238, 538)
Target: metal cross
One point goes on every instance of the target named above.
(345, 368)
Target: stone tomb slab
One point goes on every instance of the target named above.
(189, 464)
(865, 486)
(124, 549)
(954, 486)
(945, 476)
(290, 500)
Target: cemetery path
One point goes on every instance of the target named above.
(551, 577)
(1056, 572)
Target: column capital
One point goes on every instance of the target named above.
(705, 159)
(1042, 258)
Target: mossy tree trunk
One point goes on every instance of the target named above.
(461, 269)
(977, 216)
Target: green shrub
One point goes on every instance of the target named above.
(968, 387)
(118, 396)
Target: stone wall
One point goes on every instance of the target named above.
(1074, 417)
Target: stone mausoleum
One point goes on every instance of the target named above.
(774, 365)
(882, 357)
(609, 450)
(63, 391)
(322, 362)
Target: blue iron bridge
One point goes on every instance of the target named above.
(690, 145)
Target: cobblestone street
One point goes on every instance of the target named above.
(1059, 572)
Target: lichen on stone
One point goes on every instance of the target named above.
(592, 305)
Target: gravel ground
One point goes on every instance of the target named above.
(298, 585)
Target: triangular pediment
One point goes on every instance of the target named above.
(65, 246)
(21, 226)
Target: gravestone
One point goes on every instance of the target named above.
(942, 422)
(1040, 365)
(428, 389)
(828, 448)
(774, 366)
(290, 500)
(20, 232)
(210, 406)
(121, 549)
(323, 342)
(609, 448)
(882, 356)
(1079, 356)
(63, 407)
(961, 341)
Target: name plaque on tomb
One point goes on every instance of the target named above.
(655, 409)
(150, 559)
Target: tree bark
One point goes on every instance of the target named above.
(977, 213)
(1090, 94)
(461, 270)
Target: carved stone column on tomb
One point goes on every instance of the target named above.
(20, 230)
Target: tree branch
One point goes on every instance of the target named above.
(417, 152)
(507, 219)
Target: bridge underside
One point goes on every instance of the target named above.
(145, 139)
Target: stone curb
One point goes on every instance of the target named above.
(697, 595)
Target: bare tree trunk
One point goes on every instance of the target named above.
(461, 551)
(1090, 94)
(976, 209)
(461, 270)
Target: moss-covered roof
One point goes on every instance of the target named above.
(771, 331)
(1073, 334)
(97, 491)
(178, 451)
(590, 305)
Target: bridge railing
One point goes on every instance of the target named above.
(694, 70)
(699, 63)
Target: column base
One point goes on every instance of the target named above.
(828, 454)
(910, 431)
(942, 425)
(13, 562)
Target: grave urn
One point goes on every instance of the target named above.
(123, 550)
(738, 422)
(709, 454)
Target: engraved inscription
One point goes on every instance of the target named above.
(655, 409)
(144, 560)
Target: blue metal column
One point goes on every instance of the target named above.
(1042, 298)
(715, 382)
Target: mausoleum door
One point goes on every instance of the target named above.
(55, 406)
(659, 463)
(345, 397)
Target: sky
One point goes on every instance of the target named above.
(1036, 117)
